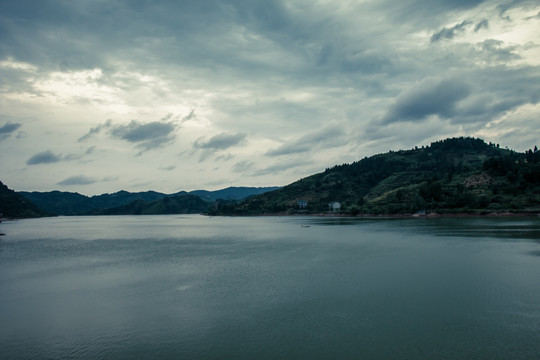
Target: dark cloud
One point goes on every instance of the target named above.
(96, 130)
(90, 150)
(67, 36)
(216, 143)
(494, 91)
(429, 97)
(328, 137)
(136, 132)
(450, 33)
(77, 180)
(246, 37)
(48, 157)
(189, 116)
(147, 136)
(484, 24)
(7, 129)
(220, 142)
(45, 157)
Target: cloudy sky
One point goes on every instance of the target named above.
(98, 96)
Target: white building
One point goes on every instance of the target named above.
(334, 206)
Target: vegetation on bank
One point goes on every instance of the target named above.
(458, 175)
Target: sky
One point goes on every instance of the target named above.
(100, 96)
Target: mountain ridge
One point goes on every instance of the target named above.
(184, 203)
(455, 175)
(13, 205)
(72, 203)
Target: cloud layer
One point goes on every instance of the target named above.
(178, 95)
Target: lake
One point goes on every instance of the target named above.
(196, 287)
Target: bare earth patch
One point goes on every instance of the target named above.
(478, 180)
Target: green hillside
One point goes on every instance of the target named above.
(13, 205)
(231, 193)
(178, 204)
(72, 203)
(449, 176)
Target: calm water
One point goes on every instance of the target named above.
(193, 287)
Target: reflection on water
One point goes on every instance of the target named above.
(270, 287)
(489, 227)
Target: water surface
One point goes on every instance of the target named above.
(195, 287)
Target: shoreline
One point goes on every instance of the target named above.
(399, 216)
(341, 215)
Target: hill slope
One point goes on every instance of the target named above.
(13, 205)
(232, 193)
(452, 175)
(178, 204)
(69, 203)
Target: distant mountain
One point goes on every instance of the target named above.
(449, 176)
(177, 204)
(69, 203)
(458, 175)
(232, 193)
(107, 201)
(13, 205)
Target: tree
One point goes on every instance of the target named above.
(431, 191)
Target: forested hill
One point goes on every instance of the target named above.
(72, 203)
(232, 193)
(182, 203)
(448, 176)
(13, 205)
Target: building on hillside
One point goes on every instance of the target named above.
(302, 204)
(334, 206)
(420, 213)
